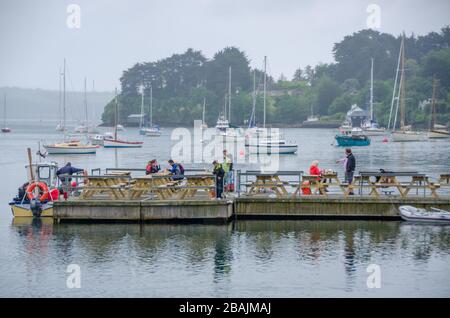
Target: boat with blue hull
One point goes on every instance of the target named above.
(356, 138)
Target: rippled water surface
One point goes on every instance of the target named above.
(244, 258)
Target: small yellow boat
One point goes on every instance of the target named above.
(25, 210)
(22, 205)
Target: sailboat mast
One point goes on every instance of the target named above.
(141, 121)
(402, 92)
(151, 106)
(229, 94)
(395, 89)
(433, 105)
(265, 88)
(253, 117)
(203, 112)
(60, 98)
(85, 104)
(371, 92)
(4, 110)
(64, 95)
(115, 116)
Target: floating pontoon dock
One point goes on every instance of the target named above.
(118, 196)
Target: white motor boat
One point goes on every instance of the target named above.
(271, 145)
(346, 128)
(412, 214)
(222, 125)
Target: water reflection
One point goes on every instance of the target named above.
(166, 254)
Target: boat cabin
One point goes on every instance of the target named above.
(45, 172)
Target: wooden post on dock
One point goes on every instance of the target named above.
(30, 162)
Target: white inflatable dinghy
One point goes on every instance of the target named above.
(412, 214)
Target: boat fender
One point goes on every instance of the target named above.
(42, 186)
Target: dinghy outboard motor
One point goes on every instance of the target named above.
(36, 207)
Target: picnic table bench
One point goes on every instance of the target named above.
(270, 181)
(320, 184)
(194, 183)
(113, 186)
(385, 180)
(161, 184)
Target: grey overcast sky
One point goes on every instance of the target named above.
(115, 34)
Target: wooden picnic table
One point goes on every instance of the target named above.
(159, 183)
(205, 182)
(390, 180)
(99, 185)
(316, 183)
(268, 181)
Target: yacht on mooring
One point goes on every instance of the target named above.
(150, 130)
(263, 142)
(5, 129)
(370, 126)
(69, 145)
(116, 142)
(405, 133)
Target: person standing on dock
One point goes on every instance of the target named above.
(63, 172)
(228, 168)
(350, 167)
(219, 173)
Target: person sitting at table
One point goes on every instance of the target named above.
(315, 171)
(176, 170)
(219, 173)
(152, 167)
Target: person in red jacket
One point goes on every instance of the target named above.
(314, 169)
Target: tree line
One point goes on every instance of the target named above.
(181, 82)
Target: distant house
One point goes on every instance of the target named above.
(357, 115)
(135, 119)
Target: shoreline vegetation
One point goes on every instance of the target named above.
(181, 82)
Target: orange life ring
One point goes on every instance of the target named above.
(40, 185)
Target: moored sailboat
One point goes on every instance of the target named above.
(261, 141)
(116, 142)
(5, 129)
(370, 126)
(151, 130)
(74, 147)
(405, 134)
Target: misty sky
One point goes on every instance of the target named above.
(114, 35)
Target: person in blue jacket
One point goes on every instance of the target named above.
(67, 170)
(176, 170)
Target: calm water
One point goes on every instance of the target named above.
(245, 258)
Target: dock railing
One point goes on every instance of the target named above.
(253, 182)
(120, 184)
